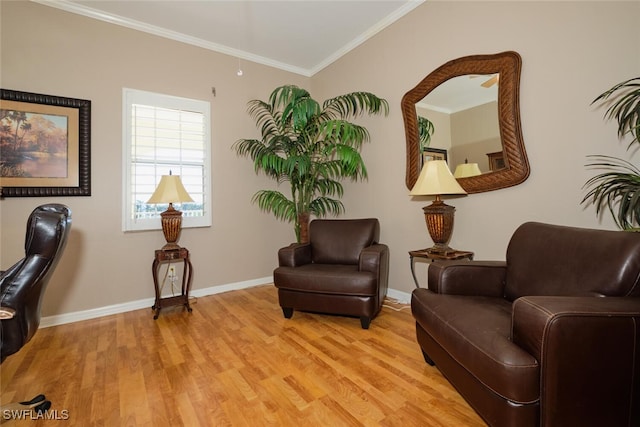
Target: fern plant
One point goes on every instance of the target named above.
(618, 187)
(310, 146)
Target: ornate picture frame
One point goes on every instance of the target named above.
(433, 154)
(45, 145)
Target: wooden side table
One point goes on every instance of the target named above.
(162, 257)
(423, 253)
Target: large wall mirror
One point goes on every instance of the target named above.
(469, 111)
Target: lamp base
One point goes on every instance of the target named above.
(170, 247)
(439, 219)
(441, 250)
(171, 226)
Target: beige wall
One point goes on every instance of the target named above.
(48, 51)
(571, 52)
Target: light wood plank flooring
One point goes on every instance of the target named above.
(234, 361)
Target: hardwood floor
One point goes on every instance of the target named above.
(234, 361)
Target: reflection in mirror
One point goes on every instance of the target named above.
(465, 112)
(472, 104)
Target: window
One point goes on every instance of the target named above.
(165, 135)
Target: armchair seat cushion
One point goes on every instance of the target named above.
(477, 330)
(327, 279)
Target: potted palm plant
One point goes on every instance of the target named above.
(312, 147)
(618, 187)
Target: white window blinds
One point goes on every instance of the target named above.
(162, 135)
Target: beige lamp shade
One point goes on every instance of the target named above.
(436, 179)
(465, 170)
(170, 190)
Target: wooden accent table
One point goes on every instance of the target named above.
(422, 253)
(162, 257)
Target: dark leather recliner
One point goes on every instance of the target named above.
(343, 270)
(549, 337)
(23, 284)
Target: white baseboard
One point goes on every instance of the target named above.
(78, 316)
(399, 296)
(61, 319)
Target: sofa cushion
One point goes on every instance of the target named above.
(475, 331)
(544, 259)
(340, 241)
(327, 279)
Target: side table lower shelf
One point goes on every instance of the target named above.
(166, 256)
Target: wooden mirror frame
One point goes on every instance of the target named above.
(508, 64)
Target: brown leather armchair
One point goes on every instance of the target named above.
(22, 285)
(549, 337)
(342, 270)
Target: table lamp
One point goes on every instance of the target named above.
(465, 170)
(170, 190)
(436, 180)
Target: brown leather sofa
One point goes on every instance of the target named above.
(549, 337)
(342, 270)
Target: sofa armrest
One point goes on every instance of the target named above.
(373, 257)
(477, 278)
(536, 318)
(588, 352)
(294, 255)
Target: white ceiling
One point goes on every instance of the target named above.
(461, 93)
(301, 36)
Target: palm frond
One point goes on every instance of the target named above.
(275, 203)
(263, 115)
(272, 164)
(352, 165)
(425, 130)
(328, 187)
(298, 114)
(625, 107)
(344, 132)
(322, 206)
(617, 189)
(288, 94)
(297, 165)
(244, 147)
(263, 156)
(331, 168)
(355, 104)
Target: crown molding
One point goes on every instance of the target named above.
(90, 12)
(372, 31)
